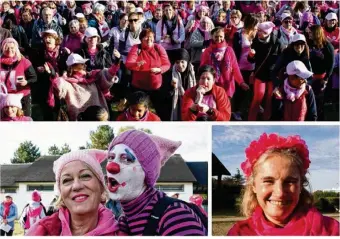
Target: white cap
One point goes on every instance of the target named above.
(75, 59)
(139, 10)
(331, 16)
(50, 31)
(299, 69)
(8, 195)
(298, 37)
(91, 32)
(285, 15)
(80, 15)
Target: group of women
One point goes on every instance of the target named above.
(165, 49)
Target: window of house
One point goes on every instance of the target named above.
(171, 188)
(9, 190)
(40, 187)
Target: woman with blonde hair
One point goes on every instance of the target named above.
(16, 73)
(275, 200)
(81, 186)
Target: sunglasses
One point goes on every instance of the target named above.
(288, 21)
(133, 20)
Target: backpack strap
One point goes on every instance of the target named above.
(156, 214)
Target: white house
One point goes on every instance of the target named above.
(20, 180)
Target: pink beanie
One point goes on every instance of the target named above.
(267, 27)
(92, 157)
(10, 100)
(36, 196)
(9, 40)
(152, 151)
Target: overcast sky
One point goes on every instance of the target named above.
(196, 142)
(229, 143)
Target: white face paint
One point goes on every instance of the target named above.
(125, 175)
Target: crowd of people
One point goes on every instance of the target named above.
(169, 60)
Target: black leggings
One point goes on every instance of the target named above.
(9, 234)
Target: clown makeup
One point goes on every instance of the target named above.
(125, 175)
(277, 185)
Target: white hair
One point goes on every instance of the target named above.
(99, 8)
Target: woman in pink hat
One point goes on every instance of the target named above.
(275, 199)
(134, 163)
(82, 191)
(16, 73)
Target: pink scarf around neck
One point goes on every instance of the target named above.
(292, 93)
(106, 226)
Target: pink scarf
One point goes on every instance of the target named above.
(7, 206)
(79, 78)
(34, 214)
(106, 226)
(129, 117)
(8, 60)
(303, 223)
(206, 33)
(292, 93)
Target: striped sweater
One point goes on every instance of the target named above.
(177, 220)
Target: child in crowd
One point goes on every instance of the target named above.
(138, 108)
(296, 97)
(94, 113)
(11, 108)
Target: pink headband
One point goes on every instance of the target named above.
(273, 141)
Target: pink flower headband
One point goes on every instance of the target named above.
(273, 141)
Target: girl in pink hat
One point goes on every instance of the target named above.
(11, 108)
(134, 163)
(82, 191)
(275, 199)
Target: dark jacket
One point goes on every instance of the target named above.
(39, 27)
(261, 50)
(287, 56)
(101, 60)
(28, 27)
(322, 61)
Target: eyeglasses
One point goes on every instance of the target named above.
(133, 20)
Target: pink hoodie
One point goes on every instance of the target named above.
(307, 223)
(107, 225)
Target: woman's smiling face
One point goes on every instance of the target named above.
(277, 186)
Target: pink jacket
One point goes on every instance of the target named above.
(59, 224)
(228, 68)
(303, 223)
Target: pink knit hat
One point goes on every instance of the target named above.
(36, 197)
(9, 40)
(10, 100)
(92, 157)
(152, 151)
(267, 27)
